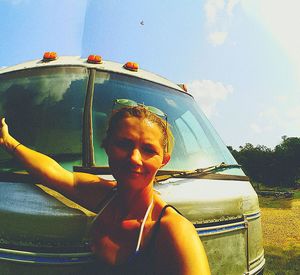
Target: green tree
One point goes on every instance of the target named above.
(278, 167)
(287, 161)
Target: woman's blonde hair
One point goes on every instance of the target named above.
(142, 113)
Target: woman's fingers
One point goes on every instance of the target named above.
(3, 125)
(3, 131)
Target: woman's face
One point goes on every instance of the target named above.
(135, 152)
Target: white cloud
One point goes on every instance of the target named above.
(218, 19)
(274, 121)
(44, 87)
(208, 93)
(212, 8)
(217, 38)
(285, 119)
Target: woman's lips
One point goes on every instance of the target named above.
(130, 171)
(134, 173)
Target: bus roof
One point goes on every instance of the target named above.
(104, 66)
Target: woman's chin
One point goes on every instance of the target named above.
(133, 180)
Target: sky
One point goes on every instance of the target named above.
(240, 59)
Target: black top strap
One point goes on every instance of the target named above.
(157, 224)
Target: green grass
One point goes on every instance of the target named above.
(270, 202)
(282, 261)
(297, 194)
(261, 187)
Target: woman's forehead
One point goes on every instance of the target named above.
(138, 123)
(140, 126)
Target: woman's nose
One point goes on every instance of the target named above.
(136, 156)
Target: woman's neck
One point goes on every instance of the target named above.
(134, 203)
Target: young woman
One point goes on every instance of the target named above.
(135, 232)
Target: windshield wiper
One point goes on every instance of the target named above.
(198, 172)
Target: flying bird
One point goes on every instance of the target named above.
(142, 22)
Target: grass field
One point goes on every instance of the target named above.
(281, 232)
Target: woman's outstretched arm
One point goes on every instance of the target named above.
(83, 188)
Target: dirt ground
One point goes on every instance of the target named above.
(281, 226)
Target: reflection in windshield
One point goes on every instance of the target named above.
(43, 109)
(45, 87)
(196, 142)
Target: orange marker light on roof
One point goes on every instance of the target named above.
(49, 56)
(131, 66)
(183, 87)
(94, 59)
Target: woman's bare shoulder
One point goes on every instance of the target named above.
(173, 223)
(91, 189)
(179, 245)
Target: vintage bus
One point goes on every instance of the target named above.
(60, 106)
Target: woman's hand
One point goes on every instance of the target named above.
(6, 140)
(3, 131)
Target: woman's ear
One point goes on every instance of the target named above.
(166, 159)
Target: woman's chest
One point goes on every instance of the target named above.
(115, 244)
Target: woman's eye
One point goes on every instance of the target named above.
(123, 144)
(149, 150)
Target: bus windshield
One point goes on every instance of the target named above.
(196, 142)
(44, 110)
